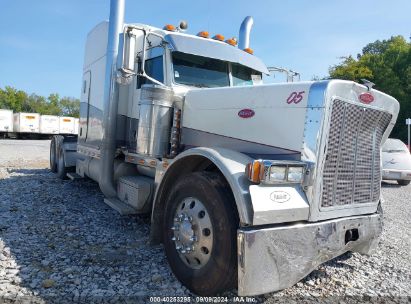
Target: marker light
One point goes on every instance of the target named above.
(169, 27)
(232, 41)
(203, 34)
(249, 51)
(218, 37)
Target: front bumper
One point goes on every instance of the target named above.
(275, 258)
(393, 174)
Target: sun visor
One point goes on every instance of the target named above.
(214, 49)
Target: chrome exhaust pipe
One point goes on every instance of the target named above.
(108, 145)
(244, 34)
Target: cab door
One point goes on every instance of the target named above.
(154, 67)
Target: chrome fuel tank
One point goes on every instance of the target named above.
(154, 124)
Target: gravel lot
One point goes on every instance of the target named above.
(60, 243)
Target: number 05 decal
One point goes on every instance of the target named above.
(295, 97)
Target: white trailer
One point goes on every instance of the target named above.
(76, 125)
(49, 124)
(66, 125)
(26, 123)
(248, 185)
(6, 122)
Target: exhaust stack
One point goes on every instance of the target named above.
(108, 145)
(244, 34)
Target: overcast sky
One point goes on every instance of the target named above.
(42, 41)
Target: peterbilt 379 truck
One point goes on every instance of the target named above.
(249, 185)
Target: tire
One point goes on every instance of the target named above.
(211, 266)
(403, 182)
(53, 152)
(61, 169)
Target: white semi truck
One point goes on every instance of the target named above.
(249, 186)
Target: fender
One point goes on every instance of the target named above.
(230, 163)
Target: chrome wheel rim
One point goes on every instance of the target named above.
(192, 233)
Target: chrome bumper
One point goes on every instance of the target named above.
(275, 258)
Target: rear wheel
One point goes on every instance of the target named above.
(403, 182)
(200, 233)
(61, 168)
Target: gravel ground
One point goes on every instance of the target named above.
(60, 243)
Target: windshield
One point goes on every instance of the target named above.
(394, 146)
(200, 71)
(206, 72)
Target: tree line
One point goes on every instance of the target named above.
(387, 63)
(20, 101)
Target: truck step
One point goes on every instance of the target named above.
(74, 176)
(122, 208)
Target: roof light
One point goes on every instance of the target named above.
(249, 51)
(203, 34)
(169, 27)
(232, 41)
(218, 37)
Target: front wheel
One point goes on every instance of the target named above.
(200, 233)
(403, 182)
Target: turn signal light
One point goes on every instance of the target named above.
(232, 41)
(255, 171)
(169, 27)
(218, 37)
(203, 34)
(249, 51)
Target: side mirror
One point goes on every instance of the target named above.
(129, 50)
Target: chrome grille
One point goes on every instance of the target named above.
(351, 173)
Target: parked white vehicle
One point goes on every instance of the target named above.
(67, 125)
(396, 162)
(6, 122)
(76, 125)
(49, 124)
(248, 185)
(26, 123)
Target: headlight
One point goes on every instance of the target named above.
(276, 172)
(295, 174)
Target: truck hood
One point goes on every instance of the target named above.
(265, 121)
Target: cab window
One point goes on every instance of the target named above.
(242, 75)
(153, 68)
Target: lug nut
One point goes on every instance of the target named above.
(193, 238)
(174, 228)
